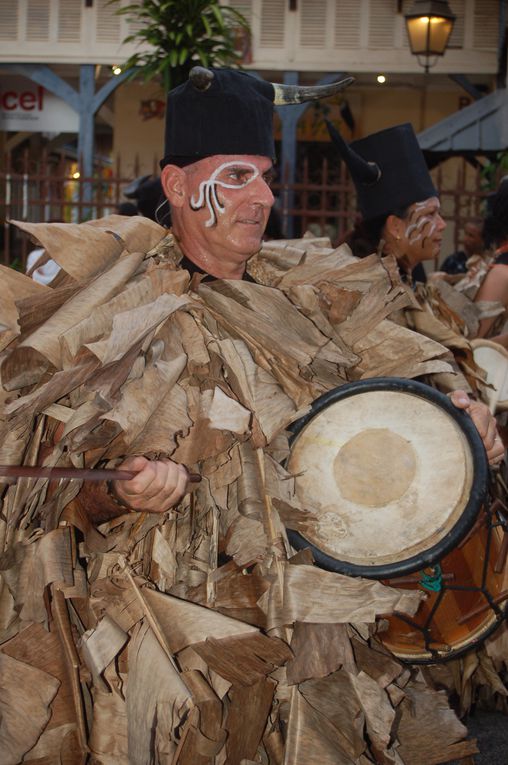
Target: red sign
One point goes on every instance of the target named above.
(29, 107)
(26, 100)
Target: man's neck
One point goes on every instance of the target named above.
(219, 268)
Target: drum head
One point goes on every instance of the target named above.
(393, 474)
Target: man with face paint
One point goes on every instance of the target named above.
(216, 175)
(220, 205)
(401, 216)
(219, 210)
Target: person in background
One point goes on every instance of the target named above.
(472, 245)
(401, 216)
(146, 193)
(399, 205)
(127, 208)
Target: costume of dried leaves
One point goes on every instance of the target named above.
(440, 312)
(462, 309)
(195, 636)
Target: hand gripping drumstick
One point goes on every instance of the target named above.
(83, 474)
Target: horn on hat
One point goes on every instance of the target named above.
(201, 77)
(361, 170)
(298, 94)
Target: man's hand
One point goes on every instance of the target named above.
(485, 424)
(158, 486)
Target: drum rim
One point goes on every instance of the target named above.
(470, 513)
(424, 656)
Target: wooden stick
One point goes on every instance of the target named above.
(272, 535)
(83, 474)
(72, 662)
(502, 555)
(415, 579)
(481, 609)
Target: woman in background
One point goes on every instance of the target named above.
(399, 205)
(401, 216)
(495, 284)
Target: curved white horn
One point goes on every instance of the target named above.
(297, 94)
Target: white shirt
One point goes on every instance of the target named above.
(45, 273)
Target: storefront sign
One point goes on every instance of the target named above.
(28, 107)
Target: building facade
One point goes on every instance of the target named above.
(57, 57)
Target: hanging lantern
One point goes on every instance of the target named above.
(429, 26)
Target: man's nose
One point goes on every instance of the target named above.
(262, 193)
(441, 223)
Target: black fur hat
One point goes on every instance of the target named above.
(231, 113)
(224, 111)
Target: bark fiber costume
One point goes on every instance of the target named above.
(196, 636)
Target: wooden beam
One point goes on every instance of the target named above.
(15, 140)
(468, 86)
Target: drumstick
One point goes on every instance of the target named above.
(83, 474)
(481, 609)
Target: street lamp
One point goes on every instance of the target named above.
(429, 26)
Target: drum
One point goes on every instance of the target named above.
(395, 477)
(493, 359)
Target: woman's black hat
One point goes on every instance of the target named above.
(388, 169)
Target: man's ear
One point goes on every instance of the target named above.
(174, 185)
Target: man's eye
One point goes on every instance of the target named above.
(237, 176)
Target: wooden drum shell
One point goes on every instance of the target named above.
(468, 608)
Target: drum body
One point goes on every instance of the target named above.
(395, 478)
(466, 598)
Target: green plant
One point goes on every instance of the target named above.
(16, 264)
(181, 34)
(493, 170)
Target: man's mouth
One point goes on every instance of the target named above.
(250, 221)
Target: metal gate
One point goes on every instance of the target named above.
(322, 200)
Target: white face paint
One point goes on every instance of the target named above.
(208, 189)
(422, 232)
(414, 230)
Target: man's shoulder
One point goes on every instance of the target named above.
(280, 257)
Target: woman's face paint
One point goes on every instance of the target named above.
(423, 232)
